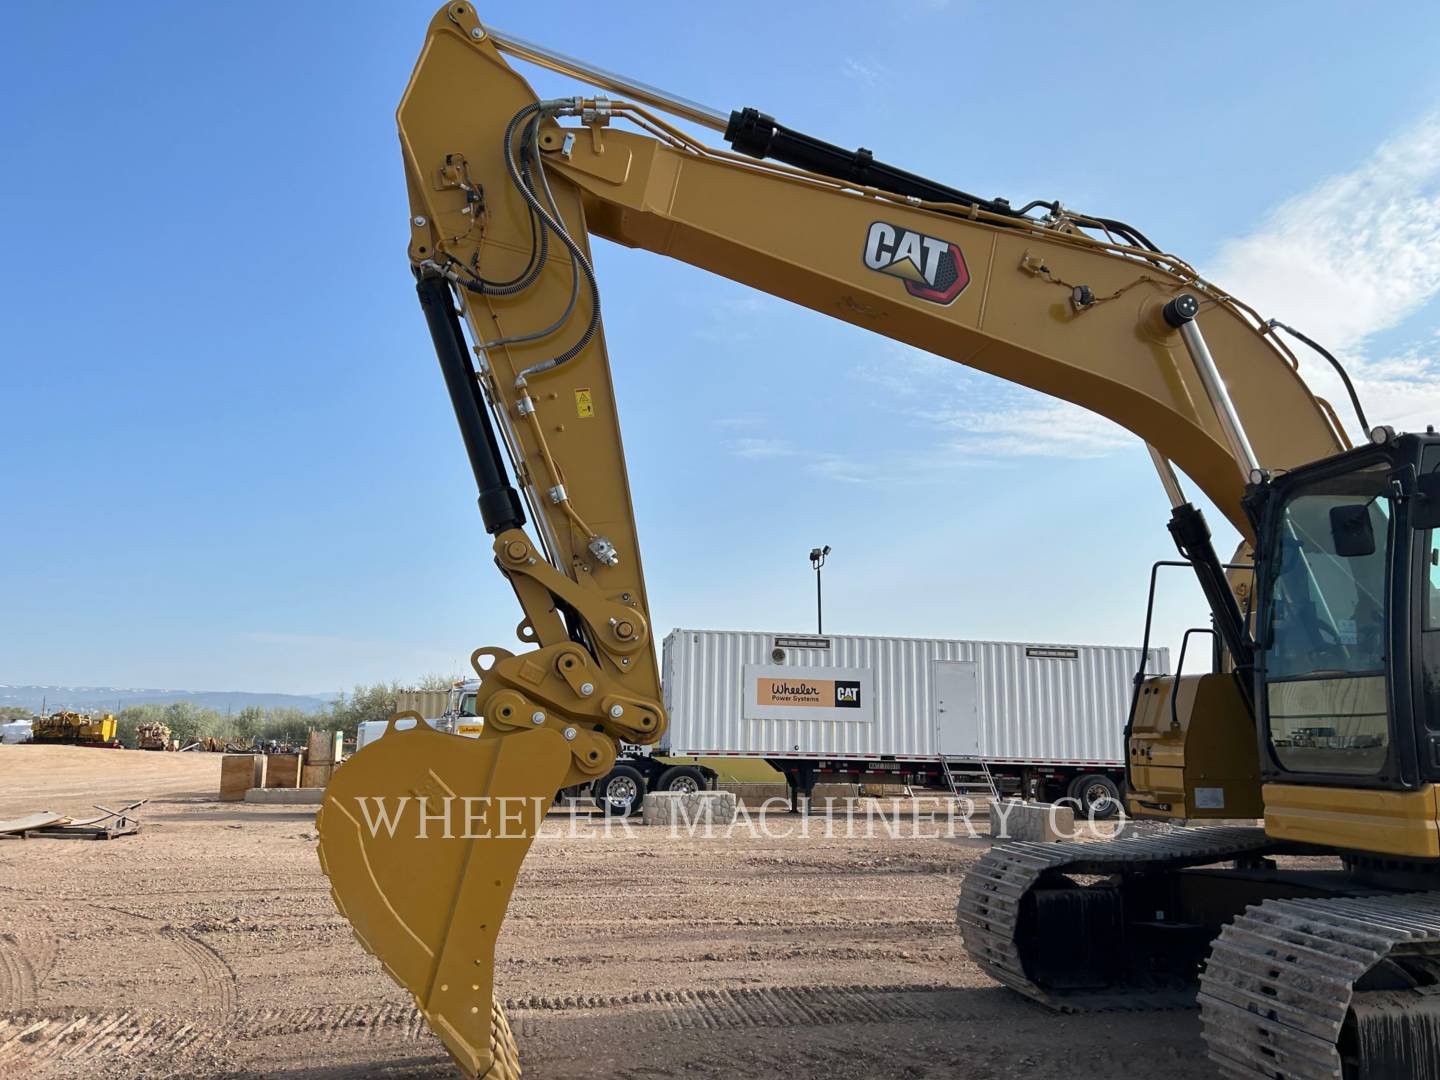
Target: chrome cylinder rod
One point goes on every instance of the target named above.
(621, 84)
(1168, 479)
(1180, 313)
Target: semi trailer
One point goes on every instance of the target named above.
(1035, 719)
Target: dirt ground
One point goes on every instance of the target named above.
(207, 946)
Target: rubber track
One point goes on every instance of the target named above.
(992, 894)
(1280, 979)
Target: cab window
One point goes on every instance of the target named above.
(1327, 636)
(1430, 632)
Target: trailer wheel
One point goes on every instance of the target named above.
(1098, 796)
(684, 778)
(621, 793)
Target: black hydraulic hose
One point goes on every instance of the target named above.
(539, 252)
(1335, 363)
(559, 229)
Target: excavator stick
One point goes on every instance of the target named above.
(422, 835)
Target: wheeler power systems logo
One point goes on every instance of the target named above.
(814, 693)
(932, 269)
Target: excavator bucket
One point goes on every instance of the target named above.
(422, 835)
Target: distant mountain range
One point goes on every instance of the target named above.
(115, 698)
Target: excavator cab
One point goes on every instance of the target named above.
(1347, 658)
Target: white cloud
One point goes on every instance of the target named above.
(757, 449)
(738, 421)
(861, 72)
(885, 470)
(1356, 255)
(976, 416)
(1044, 429)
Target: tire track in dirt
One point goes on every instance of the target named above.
(19, 987)
(92, 1038)
(760, 1007)
(218, 993)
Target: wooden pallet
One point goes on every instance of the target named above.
(107, 826)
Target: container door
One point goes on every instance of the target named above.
(957, 720)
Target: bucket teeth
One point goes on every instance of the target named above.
(502, 1045)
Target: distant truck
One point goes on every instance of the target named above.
(152, 737)
(451, 711)
(74, 728)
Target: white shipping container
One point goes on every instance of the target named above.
(841, 696)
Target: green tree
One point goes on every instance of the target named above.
(188, 722)
(287, 726)
(246, 725)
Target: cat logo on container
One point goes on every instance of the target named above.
(932, 269)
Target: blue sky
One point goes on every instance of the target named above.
(228, 460)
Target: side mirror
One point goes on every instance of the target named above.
(1351, 530)
(1425, 507)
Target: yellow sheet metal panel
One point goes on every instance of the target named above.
(1194, 756)
(1402, 823)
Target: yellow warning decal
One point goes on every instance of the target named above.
(584, 403)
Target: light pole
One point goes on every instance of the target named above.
(817, 560)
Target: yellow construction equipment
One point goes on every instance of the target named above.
(1324, 717)
(155, 736)
(81, 729)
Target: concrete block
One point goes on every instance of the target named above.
(688, 808)
(756, 795)
(1045, 823)
(292, 796)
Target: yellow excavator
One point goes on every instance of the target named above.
(1314, 940)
